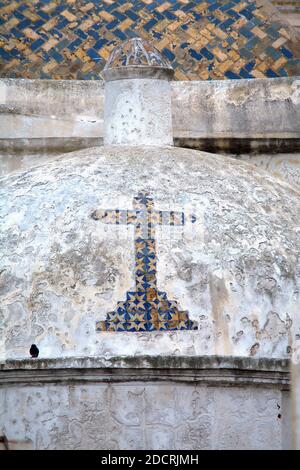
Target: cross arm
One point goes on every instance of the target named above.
(115, 216)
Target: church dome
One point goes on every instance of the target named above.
(95, 241)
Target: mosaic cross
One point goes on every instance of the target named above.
(146, 308)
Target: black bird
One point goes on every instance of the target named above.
(34, 351)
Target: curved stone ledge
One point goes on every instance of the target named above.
(210, 370)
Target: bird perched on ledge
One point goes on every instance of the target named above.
(34, 351)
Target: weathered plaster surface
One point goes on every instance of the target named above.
(133, 114)
(20, 154)
(217, 109)
(281, 165)
(236, 270)
(147, 403)
(237, 108)
(50, 108)
(143, 416)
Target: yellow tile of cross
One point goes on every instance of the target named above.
(88, 66)
(104, 52)
(180, 14)
(68, 15)
(239, 24)
(174, 25)
(87, 7)
(80, 53)
(31, 16)
(262, 67)
(11, 44)
(49, 44)
(50, 24)
(240, 6)
(193, 33)
(225, 66)
(21, 46)
(204, 32)
(107, 16)
(11, 23)
(48, 8)
(258, 32)
(210, 26)
(218, 32)
(180, 76)
(33, 58)
(259, 15)
(218, 53)
(86, 25)
(279, 63)
(27, 52)
(203, 41)
(233, 55)
(125, 24)
(30, 33)
(200, 8)
(284, 33)
(257, 74)
(8, 8)
(13, 63)
(163, 7)
(68, 54)
(163, 43)
(279, 42)
(204, 74)
(50, 66)
(162, 25)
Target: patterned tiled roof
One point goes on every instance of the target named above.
(203, 39)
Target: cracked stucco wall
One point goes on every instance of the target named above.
(144, 416)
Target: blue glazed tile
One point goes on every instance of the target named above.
(58, 57)
(245, 74)
(133, 16)
(3, 54)
(195, 54)
(150, 24)
(168, 54)
(93, 33)
(23, 24)
(73, 46)
(232, 75)
(36, 44)
(271, 74)
(286, 52)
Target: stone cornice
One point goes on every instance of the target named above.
(211, 370)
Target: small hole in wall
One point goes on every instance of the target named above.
(279, 416)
